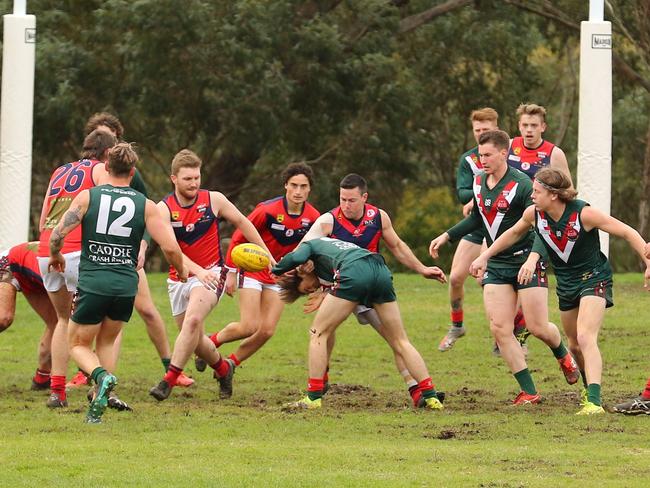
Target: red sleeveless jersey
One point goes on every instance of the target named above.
(21, 260)
(66, 183)
(365, 232)
(529, 161)
(280, 231)
(196, 228)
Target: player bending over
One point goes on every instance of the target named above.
(357, 276)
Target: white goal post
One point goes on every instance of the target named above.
(16, 121)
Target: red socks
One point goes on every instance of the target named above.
(234, 359)
(457, 315)
(214, 339)
(221, 367)
(172, 374)
(315, 388)
(41, 377)
(57, 385)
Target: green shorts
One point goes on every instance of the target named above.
(499, 275)
(475, 237)
(596, 284)
(91, 309)
(366, 281)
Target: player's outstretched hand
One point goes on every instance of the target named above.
(646, 279)
(477, 268)
(56, 263)
(437, 243)
(434, 273)
(313, 302)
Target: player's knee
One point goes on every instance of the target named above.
(250, 327)
(499, 329)
(192, 323)
(457, 279)
(586, 340)
(5, 321)
(147, 314)
(265, 333)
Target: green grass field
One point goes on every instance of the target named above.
(365, 435)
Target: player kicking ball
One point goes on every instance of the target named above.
(357, 276)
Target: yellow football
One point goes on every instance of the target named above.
(250, 257)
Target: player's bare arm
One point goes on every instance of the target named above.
(71, 219)
(403, 252)
(559, 161)
(224, 207)
(322, 227)
(593, 218)
(161, 232)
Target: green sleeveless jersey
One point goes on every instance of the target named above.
(574, 252)
(495, 211)
(111, 233)
(327, 254)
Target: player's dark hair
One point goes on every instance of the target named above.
(294, 169)
(354, 180)
(289, 284)
(96, 143)
(121, 159)
(557, 182)
(106, 119)
(500, 139)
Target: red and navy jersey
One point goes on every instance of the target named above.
(365, 232)
(21, 261)
(66, 183)
(280, 230)
(196, 228)
(529, 161)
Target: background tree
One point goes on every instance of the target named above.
(378, 87)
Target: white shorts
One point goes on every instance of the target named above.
(53, 280)
(253, 284)
(179, 293)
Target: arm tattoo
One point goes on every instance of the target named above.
(71, 219)
(56, 241)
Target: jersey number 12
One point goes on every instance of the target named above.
(118, 227)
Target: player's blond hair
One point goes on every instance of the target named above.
(485, 114)
(531, 109)
(185, 159)
(557, 182)
(121, 159)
